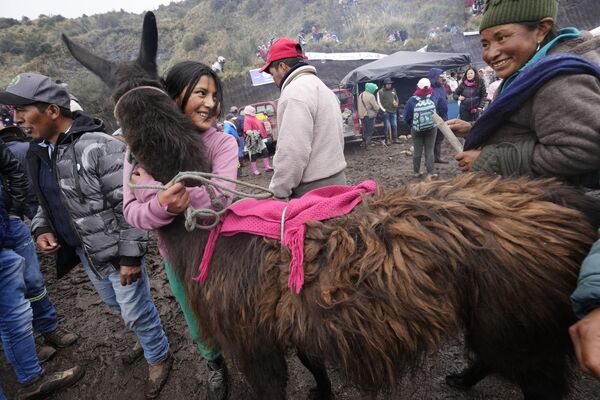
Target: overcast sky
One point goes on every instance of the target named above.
(74, 8)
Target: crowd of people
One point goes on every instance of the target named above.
(473, 91)
(61, 171)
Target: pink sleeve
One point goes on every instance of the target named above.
(224, 156)
(143, 209)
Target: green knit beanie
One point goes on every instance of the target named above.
(499, 12)
(370, 87)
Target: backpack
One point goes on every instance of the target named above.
(423, 114)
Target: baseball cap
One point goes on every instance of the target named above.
(233, 109)
(283, 48)
(424, 83)
(28, 88)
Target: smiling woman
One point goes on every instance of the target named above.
(197, 91)
(544, 120)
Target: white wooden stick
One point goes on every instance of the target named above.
(447, 132)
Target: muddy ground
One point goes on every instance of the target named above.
(103, 338)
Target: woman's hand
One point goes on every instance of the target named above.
(175, 197)
(586, 339)
(461, 98)
(459, 127)
(466, 159)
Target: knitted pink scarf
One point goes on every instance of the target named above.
(285, 221)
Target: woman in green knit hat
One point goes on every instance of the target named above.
(546, 107)
(544, 121)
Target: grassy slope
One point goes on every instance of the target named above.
(201, 30)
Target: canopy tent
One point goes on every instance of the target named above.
(405, 64)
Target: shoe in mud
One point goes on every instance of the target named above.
(217, 379)
(45, 353)
(157, 377)
(60, 338)
(47, 384)
(132, 354)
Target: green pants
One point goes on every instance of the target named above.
(190, 319)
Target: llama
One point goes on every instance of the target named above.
(385, 284)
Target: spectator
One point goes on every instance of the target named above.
(229, 127)
(492, 90)
(239, 127)
(254, 133)
(418, 114)
(387, 99)
(23, 298)
(452, 82)
(439, 98)
(471, 93)
(18, 144)
(310, 146)
(367, 111)
(77, 176)
(262, 52)
(219, 65)
(525, 110)
(403, 35)
(586, 304)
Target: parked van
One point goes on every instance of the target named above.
(350, 118)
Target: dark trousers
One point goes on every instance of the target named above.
(369, 126)
(437, 148)
(424, 143)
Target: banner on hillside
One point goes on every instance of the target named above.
(259, 78)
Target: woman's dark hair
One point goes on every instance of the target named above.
(532, 25)
(477, 78)
(185, 76)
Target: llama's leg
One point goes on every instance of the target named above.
(265, 369)
(317, 368)
(475, 371)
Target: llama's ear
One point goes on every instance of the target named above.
(148, 47)
(99, 66)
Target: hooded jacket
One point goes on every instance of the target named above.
(367, 103)
(438, 96)
(87, 165)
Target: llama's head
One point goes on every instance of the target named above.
(123, 76)
(161, 138)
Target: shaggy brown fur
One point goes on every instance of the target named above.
(387, 283)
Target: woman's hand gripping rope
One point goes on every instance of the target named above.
(175, 196)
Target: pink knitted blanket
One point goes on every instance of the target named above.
(285, 221)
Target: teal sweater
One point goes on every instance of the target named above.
(587, 294)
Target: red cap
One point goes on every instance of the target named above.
(282, 48)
